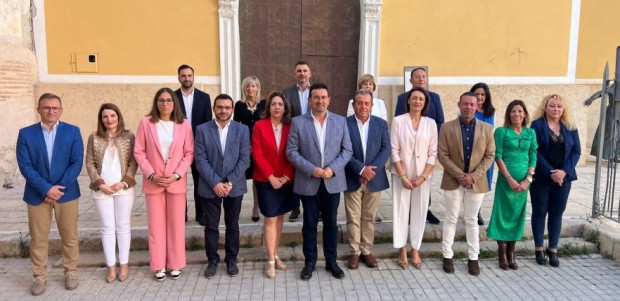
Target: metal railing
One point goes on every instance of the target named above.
(606, 198)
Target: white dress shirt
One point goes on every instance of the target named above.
(188, 101)
(223, 131)
(320, 133)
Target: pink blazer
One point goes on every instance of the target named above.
(413, 148)
(147, 151)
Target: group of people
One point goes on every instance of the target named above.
(300, 153)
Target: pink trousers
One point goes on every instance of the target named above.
(166, 218)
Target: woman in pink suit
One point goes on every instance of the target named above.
(164, 151)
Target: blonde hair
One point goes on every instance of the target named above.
(566, 118)
(367, 78)
(250, 80)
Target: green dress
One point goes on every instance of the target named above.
(509, 207)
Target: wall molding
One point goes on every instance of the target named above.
(230, 57)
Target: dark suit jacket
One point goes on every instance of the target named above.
(214, 166)
(572, 150)
(292, 95)
(378, 149)
(435, 110)
(67, 160)
(302, 150)
(201, 109)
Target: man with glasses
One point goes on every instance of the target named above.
(50, 156)
(222, 155)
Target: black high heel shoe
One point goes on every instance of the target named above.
(553, 259)
(540, 257)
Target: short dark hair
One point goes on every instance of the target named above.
(286, 117)
(302, 62)
(512, 104)
(487, 107)
(223, 96)
(183, 67)
(318, 86)
(48, 96)
(416, 69)
(101, 130)
(177, 115)
(427, 99)
(470, 94)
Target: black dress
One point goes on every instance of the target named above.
(248, 117)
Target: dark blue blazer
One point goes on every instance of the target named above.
(572, 150)
(378, 149)
(215, 166)
(201, 108)
(67, 160)
(435, 110)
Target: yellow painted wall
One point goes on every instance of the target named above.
(136, 37)
(599, 35)
(476, 38)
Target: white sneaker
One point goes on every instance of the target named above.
(160, 275)
(175, 274)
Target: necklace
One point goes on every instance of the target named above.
(252, 108)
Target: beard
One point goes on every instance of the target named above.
(223, 117)
(187, 84)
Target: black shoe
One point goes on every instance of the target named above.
(335, 270)
(431, 218)
(255, 218)
(294, 215)
(231, 268)
(211, 269)
(480, 219)
(378, 219)
(540, 257)
(306, 272)
(553, 259)
(201, 221)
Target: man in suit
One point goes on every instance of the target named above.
(50, 156)
(196, 107)
(222, 154)
(297, 96)
(466, 150)
(418, 78)
(366, 177)
(319, 147)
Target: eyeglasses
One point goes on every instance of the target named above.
(51, 109)
(165, 101)
(223, 107)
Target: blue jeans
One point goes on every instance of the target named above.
(548, 201)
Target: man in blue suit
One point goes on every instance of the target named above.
(222, 154)
(366, 177)
(434, 111)
(319, 147)
(196, 107)
(50, 156)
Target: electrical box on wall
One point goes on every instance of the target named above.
(85, 62)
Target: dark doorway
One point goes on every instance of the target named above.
(275, 34)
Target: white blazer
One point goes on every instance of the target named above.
(406, 145)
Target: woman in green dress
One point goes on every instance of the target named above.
(516, 160)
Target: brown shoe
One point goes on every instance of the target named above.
(448, 265)
(369, 260)
(473, 268)
(354, 262)
(71, 281)
(38, 286)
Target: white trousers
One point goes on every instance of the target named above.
(410, 208)
(115, 217)
(471, 205)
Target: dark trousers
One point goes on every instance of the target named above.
(548, 201)
(212, 208)
(197, 198)
(325, 204)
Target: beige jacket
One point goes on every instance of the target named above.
(94, 157)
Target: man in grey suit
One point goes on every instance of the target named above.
(297, 96)
(222, 155)
(319, 147)
(196, 107)
(366, 177)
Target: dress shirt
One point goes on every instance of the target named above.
(50, 137)
(223, 131)
(277, 132)
(467, 134)
(303, 98)
(363, 128)
(320, 133)
(188, 101)
(165, 133)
